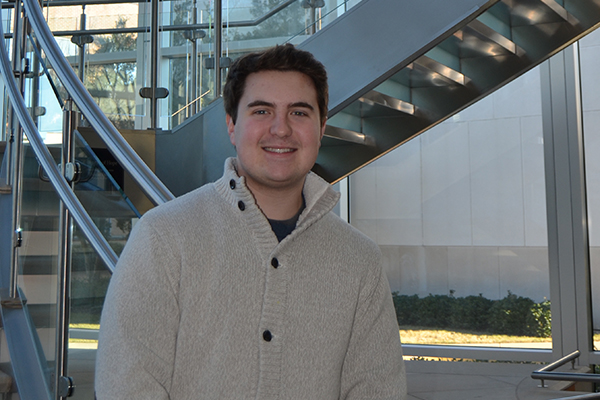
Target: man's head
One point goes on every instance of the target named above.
(276, 105)
(279, 58)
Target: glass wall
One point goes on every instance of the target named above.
(460, 215)
(590, 84)
(118, 54)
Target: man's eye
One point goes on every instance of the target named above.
(260, 112)
(299, 113)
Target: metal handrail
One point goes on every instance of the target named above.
(156, 191)
(87, 226)
(548, 373)
(590, 396)
(231, 24)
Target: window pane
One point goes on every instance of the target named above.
(460, 215)
(590, 84)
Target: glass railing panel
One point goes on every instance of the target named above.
(117, 66)
(45, 91)
(276, 29)
(106, 16)
(247, 26)
(101, 176)
(112, 82)
(100, 193)
(112, 73)
(38, 256)
(190, 82)
(89, 282)
(50, 123)
(98, 170)
(325, 12)
(99, 188)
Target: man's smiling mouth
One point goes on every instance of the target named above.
(279, 150)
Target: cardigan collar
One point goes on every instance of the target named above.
(320, 198)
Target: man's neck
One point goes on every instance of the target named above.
(278, 204)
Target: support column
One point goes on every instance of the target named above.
(566, 205)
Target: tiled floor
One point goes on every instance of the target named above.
(427, 380)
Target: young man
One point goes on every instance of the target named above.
(249, 287)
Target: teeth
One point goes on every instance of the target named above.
(277, 150)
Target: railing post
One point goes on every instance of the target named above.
(82, 26)
(154, 68)
(193, 84)
(20, 68)
(63, 385)
(218, 45)
(154, 92)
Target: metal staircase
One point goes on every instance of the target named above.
(397, 68)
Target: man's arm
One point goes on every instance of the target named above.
(373, 367)
(139, 321)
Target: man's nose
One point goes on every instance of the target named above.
(280, 126)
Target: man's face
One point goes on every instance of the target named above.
(278, 130)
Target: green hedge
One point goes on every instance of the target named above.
(512, 315)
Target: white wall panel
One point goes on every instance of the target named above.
(446, 186)
(398, 210)
(496, 182)
(534, 184)
(520, 98)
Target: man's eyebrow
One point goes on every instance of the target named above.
(259, 103)
(302, 104)
(264, 103)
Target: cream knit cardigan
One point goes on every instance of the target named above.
(203, 278)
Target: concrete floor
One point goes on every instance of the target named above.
(427, 380)
(439, 380)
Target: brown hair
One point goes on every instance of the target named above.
(279, 58)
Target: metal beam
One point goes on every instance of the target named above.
(568, 250)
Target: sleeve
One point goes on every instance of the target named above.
(140, 320)
(373, 367)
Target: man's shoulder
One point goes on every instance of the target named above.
(343, 232)
(183, 206)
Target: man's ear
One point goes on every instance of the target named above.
(230, 128)
(323, 129)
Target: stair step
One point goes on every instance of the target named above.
(538, 12)
(377, 104)
(426, 71)
(347, 135)
(479, 40)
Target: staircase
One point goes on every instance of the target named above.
(397, 68)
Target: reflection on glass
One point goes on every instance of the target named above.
(99, 186)
(112, 83)
(590, 83)
(460, 216)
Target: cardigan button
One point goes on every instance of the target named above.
(241, 205)
(274, 263)
(267, 336)
(232, 184)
